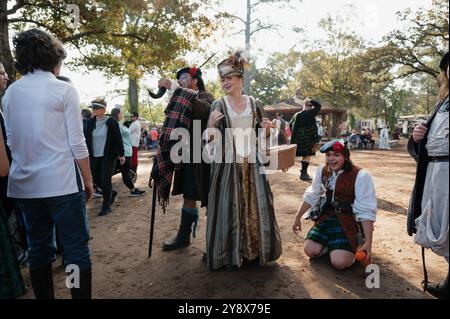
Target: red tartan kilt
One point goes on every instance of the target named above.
(134, 157)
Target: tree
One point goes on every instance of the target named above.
(393, 105)
(153, 113)
(271, 83)
(418, 48)
(121, 38)
(332, 70)
(422, 95)
(96, 19)
(163, 39)
(352, 121)
(255, 25)
(427, 93)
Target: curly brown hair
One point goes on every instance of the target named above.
(35, 49)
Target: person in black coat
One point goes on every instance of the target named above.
(105, 146)
(86, 114)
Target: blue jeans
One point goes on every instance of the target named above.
(68, 213)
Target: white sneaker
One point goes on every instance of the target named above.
(97, 194)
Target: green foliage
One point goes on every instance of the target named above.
(271, 83)
(352, 121)
(215, 88)
(130, 38)
(424, 96)
(394, 104)
(345, 72)
(123, 38)
(416, 49)
(153, 113)
(160, 40)
(156, 40)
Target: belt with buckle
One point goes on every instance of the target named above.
(342, 208)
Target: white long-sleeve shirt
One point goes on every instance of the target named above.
(135, 133)
(45, 134)
(365, 204)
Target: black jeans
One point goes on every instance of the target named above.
(126, 176)
(102, 170)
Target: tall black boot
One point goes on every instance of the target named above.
(85, 289)
(42, 282)
(189, 216)
(304, 172)
(439, 290)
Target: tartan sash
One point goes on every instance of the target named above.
(178, 115)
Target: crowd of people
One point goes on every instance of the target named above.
(367, 138)
(149, 139)
(61, 157)
(362, 140)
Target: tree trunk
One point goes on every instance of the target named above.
(133, 97)
(247, 46)
(429, 94)
(5, 51)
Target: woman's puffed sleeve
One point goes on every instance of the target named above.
(313, 192)
(365, 204)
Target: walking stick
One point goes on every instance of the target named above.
(152, 220)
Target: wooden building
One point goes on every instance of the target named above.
(330, 117)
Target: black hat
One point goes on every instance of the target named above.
(315, 103)
(194, 72)
(331, 145)
(444, 62)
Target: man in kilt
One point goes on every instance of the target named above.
(190, 179)
(304, 134)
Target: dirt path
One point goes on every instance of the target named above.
(122, 270)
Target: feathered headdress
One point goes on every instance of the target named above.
(235, 64)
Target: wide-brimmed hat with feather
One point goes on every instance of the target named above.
(235, 64)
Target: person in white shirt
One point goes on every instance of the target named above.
(343, 204)
(135, 135)
(319, 130)
(384, 138)
(49, 175)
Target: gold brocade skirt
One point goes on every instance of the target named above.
(248, 213)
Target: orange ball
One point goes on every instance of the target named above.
(360, 255)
